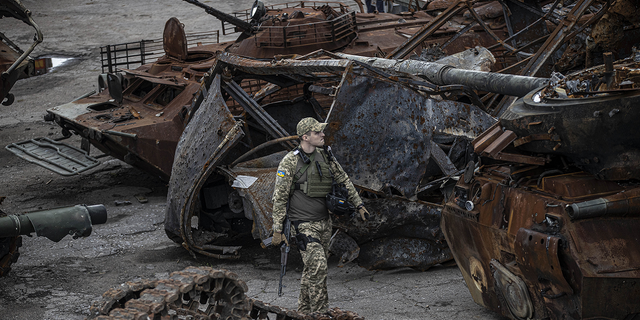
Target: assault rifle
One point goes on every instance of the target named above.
(284, 252)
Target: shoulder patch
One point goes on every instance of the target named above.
(280, 173)
(296, 151)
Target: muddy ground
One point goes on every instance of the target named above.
(60, 280)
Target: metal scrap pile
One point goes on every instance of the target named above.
(215, 123)
(393, 172)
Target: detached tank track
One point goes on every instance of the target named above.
(195, 293)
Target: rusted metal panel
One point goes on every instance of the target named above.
(501, 142)
(622, 293)
(174, 39)
(609, 250)
(537, 255)
(204, 140)
(518, 158)
(577, 185)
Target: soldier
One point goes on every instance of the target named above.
(377, 8)
(304, 178)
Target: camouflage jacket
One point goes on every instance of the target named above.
(284, 180)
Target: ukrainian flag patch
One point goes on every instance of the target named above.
(280, 173)
(341, 201)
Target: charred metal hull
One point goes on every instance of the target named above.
(548, 121)
(208, 215)
(524, 256)
(401, 233)
(547, 226)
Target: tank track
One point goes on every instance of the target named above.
(195, 293)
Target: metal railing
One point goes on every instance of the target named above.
(228, 28)
(307, 34)
(134, 54)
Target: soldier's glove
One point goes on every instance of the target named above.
(278, 237)
(364, 214)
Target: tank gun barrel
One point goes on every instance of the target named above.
(245, 26)
(441, 74)
(55, 224)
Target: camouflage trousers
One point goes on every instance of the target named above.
(313, 283)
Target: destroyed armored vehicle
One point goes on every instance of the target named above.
(15, 63)
(140, 116)
(216, 124)
(546, 225)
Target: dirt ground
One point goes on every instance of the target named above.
(60, 280)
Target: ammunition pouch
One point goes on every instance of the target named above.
(319, 180)
(302, 240)
(337, 201)
(319, 177)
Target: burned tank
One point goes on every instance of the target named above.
(140, 115)
(544, 225)
(139, 118)
(54, 224)
(241, 113)
(15, 63)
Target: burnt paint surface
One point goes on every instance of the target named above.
(576, 125)
(383, 130)
(202, 136)
(399, 233)
(577, 269)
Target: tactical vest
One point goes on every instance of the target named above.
(319, 176)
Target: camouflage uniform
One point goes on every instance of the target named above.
(284, 180)
(313, 283)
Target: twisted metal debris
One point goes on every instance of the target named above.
(195, 293)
